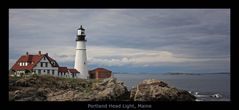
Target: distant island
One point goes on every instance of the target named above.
(181, 73)
(174, 73)
(194, 73)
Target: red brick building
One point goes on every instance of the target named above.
(100, 73)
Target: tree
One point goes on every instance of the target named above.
(26, 72)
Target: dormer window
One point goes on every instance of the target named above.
(53, 63)
(23, 63)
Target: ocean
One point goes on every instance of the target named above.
(206, 87)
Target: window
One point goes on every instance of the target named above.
(46, 64)
(52, 72)
(44, 58)
(20, 63)
(41, 64)
(43, 71)
(39, 71)
(26, 64)
(48, 71)
(53, 63)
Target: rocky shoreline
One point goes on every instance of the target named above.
(49, 88)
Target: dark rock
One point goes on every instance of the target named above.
(155, 90)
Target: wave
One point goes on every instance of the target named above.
(209, 97)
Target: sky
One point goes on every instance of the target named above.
(127, 40)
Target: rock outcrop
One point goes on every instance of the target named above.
(49, 88)
(156, 90)
(110, 89)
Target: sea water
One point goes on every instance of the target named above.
(206, 87)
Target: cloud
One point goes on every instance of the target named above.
(109, 56)
(140, 57)
(135, 37)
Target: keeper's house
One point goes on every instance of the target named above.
(41, 64)
(100, 73)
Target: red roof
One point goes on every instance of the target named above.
(51, 59)
(73, 71)
(63, 69)
(32, 60)
(100, 70)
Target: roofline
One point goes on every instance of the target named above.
(41, 56)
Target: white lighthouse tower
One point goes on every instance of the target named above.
(80, 58)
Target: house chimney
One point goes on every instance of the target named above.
(26, 53)
(39, 52)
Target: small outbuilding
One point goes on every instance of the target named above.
(100, 73)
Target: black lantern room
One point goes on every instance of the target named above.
(80, 34)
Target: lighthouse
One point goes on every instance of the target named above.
(80, 58)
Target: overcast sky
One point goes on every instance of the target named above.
(127, 40)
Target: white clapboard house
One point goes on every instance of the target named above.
(41, 64)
